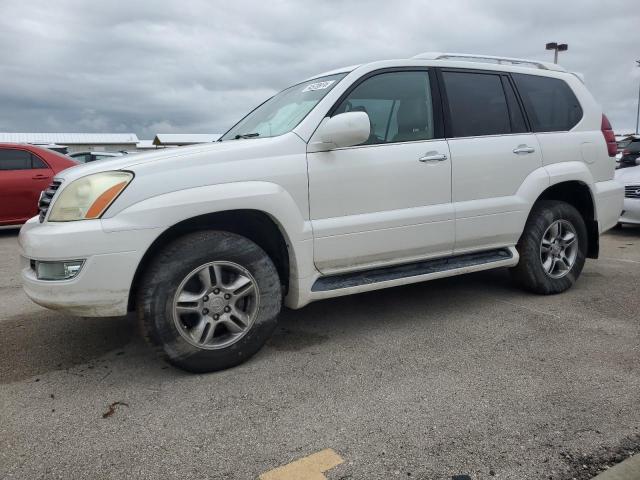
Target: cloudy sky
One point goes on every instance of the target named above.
(196, 66)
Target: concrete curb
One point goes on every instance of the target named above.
(627, 470)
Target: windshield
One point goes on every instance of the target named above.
(284, 111)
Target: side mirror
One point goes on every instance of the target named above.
(343, 130)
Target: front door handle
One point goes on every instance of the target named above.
(433, 157)
(40, 177)
(523, 149)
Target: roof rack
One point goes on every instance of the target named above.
(468, 57)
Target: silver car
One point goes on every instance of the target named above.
(630, 178)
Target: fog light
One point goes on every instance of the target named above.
(58, 270)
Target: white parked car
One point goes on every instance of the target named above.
(358, 179)
(630, 179)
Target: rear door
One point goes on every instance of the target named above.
(492, 152)
(22, 177)
(41, 177)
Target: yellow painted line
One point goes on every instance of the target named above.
(307, 468)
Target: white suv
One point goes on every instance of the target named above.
(358, 179)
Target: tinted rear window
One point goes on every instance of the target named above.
(12, 159)
(518, 125)
(550, 103)
(477, 104)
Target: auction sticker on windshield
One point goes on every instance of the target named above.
(318, 86)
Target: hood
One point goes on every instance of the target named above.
(273, 159)
(628, 176)
(168, 156)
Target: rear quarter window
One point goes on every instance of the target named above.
(37, 162)
(550, 103)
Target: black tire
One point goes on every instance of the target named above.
(160, 281)
(530, 273)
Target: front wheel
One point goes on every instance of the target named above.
(552, 248)
(209, 300)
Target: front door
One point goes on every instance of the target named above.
(388, 200)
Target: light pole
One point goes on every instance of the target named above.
(557, 47)
(638, 112)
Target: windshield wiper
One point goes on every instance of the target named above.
(246, 135)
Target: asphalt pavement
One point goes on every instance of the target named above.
(460, 376)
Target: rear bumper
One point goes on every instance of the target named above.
(101, 288)
(609, 197)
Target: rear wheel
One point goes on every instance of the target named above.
(209, 300)
(552, 248)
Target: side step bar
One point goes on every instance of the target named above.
(499, 256)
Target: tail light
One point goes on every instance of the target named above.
(609, 136)
(626, 152)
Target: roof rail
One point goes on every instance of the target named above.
(468, 57)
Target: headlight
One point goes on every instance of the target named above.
(88, 197)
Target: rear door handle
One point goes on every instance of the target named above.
(433, 157)
(523, 149)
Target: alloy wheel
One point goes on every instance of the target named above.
(559, 248)
(216, 305)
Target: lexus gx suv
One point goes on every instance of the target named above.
(358, 179)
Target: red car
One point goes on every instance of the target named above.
(25, 171)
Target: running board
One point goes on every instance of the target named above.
(424, 269)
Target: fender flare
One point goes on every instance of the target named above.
(543, 178)
(535, 187)
(161, 212)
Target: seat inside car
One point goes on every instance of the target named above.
(413, 121)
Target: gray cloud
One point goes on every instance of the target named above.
(198, 66)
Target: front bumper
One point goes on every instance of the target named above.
(101, 288)
(631, 211)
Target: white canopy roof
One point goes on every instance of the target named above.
(69, 138)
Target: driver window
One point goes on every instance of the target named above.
(398, 105)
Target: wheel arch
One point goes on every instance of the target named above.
(256, 225)
(578, 194)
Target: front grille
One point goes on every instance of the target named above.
(632, 191)
(45, 198)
